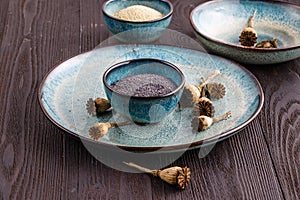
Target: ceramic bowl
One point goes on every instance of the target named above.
(151, 109)
(137, 32)
(218, 24)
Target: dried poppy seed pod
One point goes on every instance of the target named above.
(100, 129)
(267, 44)
(190, 96)
(169, 175)
(102, 105)
(191, 93)
(248, 37)
(91, 107)
(184, 177)
(97, 106)
(205, 107)
(200, 123)
(216, 90)
(174, 175)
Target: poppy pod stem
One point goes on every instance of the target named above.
(142, 169)
(120, 124)
(204, 82)
(222, 117)
(250, 20)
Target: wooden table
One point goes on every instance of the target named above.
(40, 161)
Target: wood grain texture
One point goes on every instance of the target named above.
(281, 113)
(39, 161)
(234, 169)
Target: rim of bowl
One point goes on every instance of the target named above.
(138, 22)
(207, 37)
(120, 64)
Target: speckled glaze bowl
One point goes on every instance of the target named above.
(137, 32)
(143, 109)
(218, 24)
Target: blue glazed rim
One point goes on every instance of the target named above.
(137, 22)
(251, 49)
(121, 64)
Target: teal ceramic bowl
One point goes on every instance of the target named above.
(218, 24)
(137, 32)
(151, 109)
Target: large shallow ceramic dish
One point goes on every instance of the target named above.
(65, 90)
(218, 24)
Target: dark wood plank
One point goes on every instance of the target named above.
(3, 18)
(282, 123)
(37, 161)
(18, 81)
(15, 97)
(27, 53)
(93, 29)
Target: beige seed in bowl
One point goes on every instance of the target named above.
(138, 13)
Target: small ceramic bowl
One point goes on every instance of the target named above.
(137, 32)
(139, 109)
(218, 25)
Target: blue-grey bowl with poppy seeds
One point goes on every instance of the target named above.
(137, 31)
(143, 109)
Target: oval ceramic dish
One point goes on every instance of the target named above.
(65, 90)
(218, 24)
